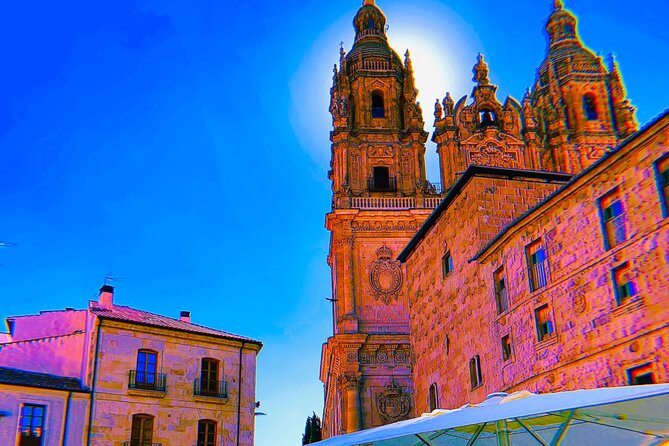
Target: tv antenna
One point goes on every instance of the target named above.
(110, 278)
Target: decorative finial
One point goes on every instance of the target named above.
(481, 71)
(557, 5)
(368, 3)
(407, 60)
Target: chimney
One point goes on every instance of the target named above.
(106, 299)
(185, 316)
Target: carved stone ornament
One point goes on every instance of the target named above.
(393, 404)
(385, 276)
(491, 155)
(381, 152)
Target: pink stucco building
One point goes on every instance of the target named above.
(139, 378)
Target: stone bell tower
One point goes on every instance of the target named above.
(380, 197)
(579, 103)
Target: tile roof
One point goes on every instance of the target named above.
(134, 316)
(41, 380)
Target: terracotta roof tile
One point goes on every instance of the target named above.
(41, 380)
(132, 315)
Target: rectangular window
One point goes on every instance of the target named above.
(141, 433)
(537, 265)
(475, 372)
(662, 175)
(146, 368)
(623, 285)
(613, 219)
(31, 425)
(544, 323)
(209, 377)
(640, 375)
(206, 433)
(446, 264)
(501, 296)
(506, 348)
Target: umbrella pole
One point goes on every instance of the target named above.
(502, 433)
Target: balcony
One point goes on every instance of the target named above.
(381, 184)
(211, 388)
(147, 381)
(539, 275)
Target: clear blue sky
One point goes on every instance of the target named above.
(184, 147)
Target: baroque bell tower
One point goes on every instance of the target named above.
(580, 104)
(380, 197)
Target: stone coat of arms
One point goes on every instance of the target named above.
(385, 276)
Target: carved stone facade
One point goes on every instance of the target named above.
(399, 329)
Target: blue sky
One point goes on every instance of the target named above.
(183, 146)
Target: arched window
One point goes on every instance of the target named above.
(378, 110)
(487, 117)
(209, 377)
(206, 433)
(589, 107)
(142, 430)
(381, 181)
(434, 398)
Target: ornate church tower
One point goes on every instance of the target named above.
(380, 198)
(580, 105)
(485, 132)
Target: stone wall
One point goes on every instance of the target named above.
(176, 410)
(593, 340)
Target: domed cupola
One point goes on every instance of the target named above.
(369, 22)
(561, 25)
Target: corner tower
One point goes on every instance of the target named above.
(380, 197)
(580, 104)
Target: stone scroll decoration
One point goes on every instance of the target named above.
(393, 404)
(492, 155)
(385, 276)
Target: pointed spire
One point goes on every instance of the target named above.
(409, 83)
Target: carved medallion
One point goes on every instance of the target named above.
(393, 404)
(579, 302)
(385, 276)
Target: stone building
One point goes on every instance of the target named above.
(147, 378)
(543, 266)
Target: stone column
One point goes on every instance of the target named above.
(351, 386)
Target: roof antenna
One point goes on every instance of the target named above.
(110, 278)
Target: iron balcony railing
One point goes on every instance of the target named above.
(502, 300)
(539, 275)
(210, 387)
(140, 443)
(147, 381)
(382, 184)
(615, 230)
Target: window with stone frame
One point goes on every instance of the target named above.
(446, 264)
(31, 425)
(146, 372)
(640, 375)
(506, 347)
(209, 384)
(378, 109)
(613, 219)
(434, 397)
(590, 107)
(501, 295)
(475, 376)
(141, 433)
(537, 265)
(206, 433)
(544, 323)
(662, 176)
(624, 287)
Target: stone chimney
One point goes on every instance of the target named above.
(185, 316)
(106, 299)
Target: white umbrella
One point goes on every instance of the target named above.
(615, 416)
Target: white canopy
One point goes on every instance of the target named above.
(635, 415)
